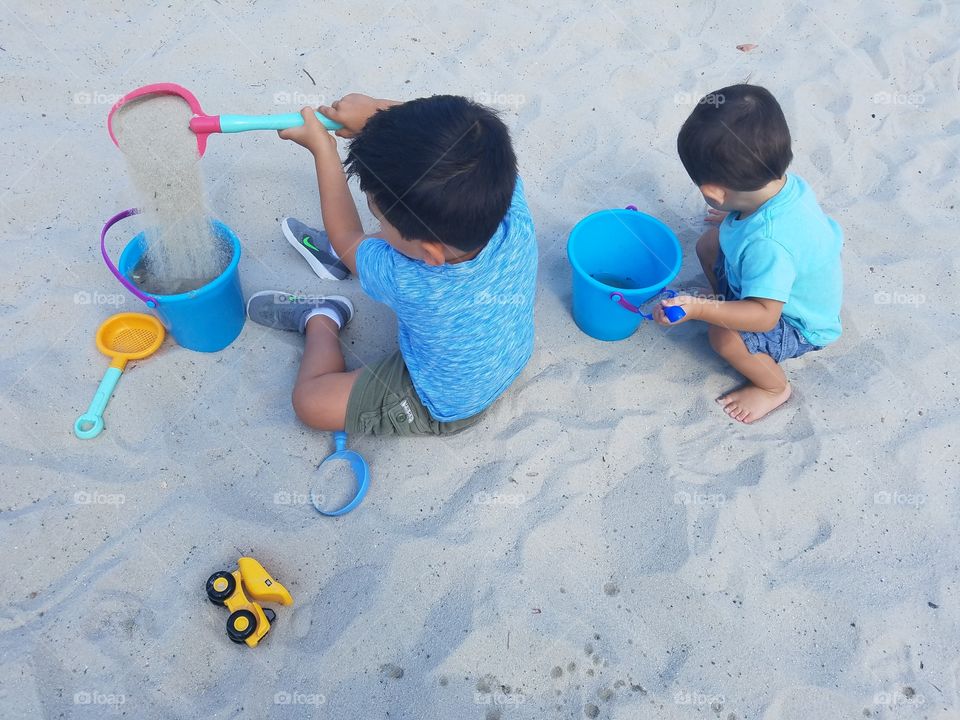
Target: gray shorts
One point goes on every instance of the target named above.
(785, 341)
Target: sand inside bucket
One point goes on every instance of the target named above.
(183, 253)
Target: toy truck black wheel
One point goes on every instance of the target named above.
(241, 625)
(220, 586)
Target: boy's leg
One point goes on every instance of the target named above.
(322, 390)
(708, 250)
(768, 388)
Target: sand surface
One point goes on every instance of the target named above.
(606, 544)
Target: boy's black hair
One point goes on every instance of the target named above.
(440, 168)
(736, 137)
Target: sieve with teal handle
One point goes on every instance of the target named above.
(121, 337)
(204, 125)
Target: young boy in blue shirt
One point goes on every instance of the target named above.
(773, 259)
(455, 258)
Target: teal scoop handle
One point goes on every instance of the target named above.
(90, 424)
(242, 123)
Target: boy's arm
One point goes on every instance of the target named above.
(768, 271)
(353, 110)
(747, 315)
(340, 218)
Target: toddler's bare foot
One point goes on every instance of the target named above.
(750, 403)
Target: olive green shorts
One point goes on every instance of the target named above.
(383, 401)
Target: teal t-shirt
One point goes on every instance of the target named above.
(465, 330)
(789, 250)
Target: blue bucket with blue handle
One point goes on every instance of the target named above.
(207, 319)
(620, 259)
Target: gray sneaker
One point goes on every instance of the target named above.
(288, 311)
(314, 245)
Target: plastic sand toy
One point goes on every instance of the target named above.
(341, 463)
(204, 125)
(206, 319)
(121, 337)
(240, 592)
(621, 259)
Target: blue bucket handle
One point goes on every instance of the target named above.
(673, 313)
(360, 470)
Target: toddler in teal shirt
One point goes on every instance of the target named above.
(774, 258)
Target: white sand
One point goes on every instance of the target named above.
(812, 571)
(182, 252)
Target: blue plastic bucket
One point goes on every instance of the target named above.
(207, 319)
(617, 256)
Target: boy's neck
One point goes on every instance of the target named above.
(454, 256)
(747, 203)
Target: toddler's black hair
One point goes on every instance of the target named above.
(440, 168)
(736, 137)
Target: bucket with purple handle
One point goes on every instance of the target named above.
(207, 319)
(621, 259)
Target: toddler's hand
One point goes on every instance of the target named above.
(688, 302)
(352, 111)
(715, 217)
(312, 134)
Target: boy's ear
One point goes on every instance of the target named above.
(715, 194)
(433, 252)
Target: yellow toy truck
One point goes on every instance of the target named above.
(248, 622)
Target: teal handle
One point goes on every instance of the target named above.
(90, 424)
(241, 123)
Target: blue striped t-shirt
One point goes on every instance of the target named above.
(465, 330)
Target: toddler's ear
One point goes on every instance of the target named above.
(715, 195)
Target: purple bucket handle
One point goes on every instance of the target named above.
(150, 301)
(627, 305)
(673, 312)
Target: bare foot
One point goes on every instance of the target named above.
(750, 403)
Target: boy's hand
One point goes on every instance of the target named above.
(312, 134)
(715, 217)
(353, 110)
(690, 307)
